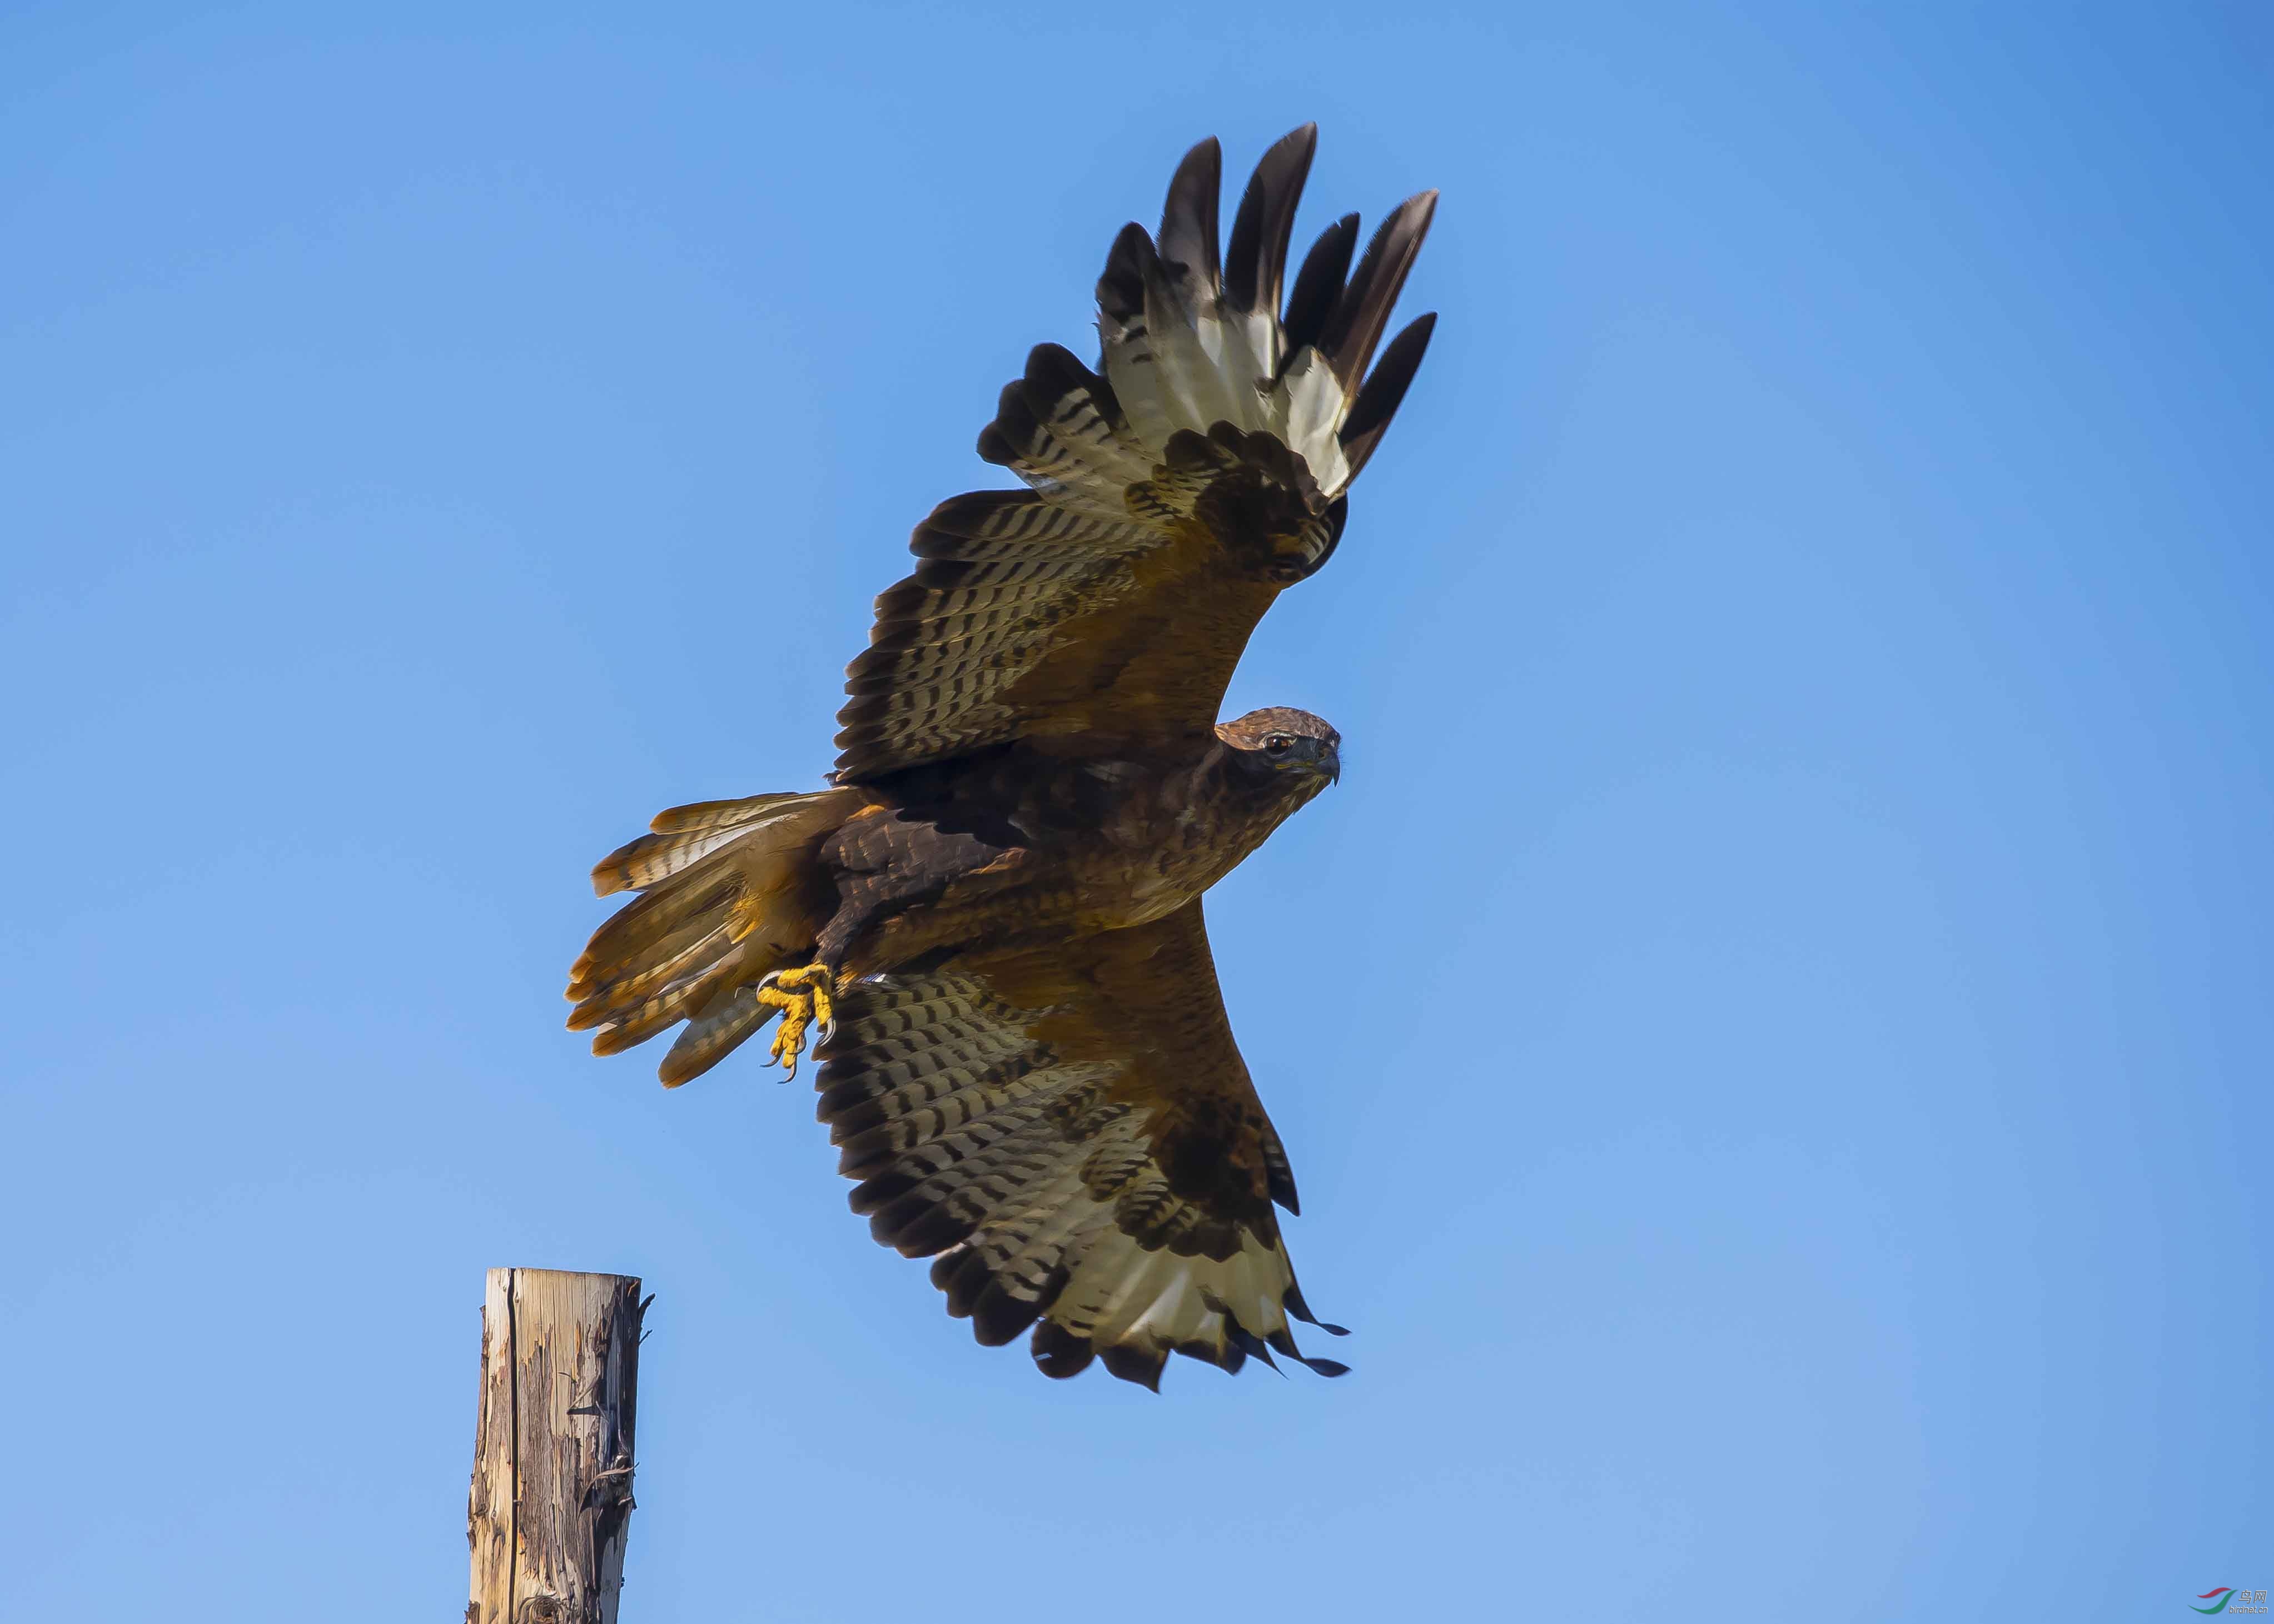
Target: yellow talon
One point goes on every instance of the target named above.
(804, 996)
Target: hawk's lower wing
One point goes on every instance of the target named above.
(1075, 1136)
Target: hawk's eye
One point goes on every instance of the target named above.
(1279, 744)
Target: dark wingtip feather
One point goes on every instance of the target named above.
(964, 1281)
(1121, 284)
(917, 1226)
(1228, 1359)
(1189, 215)
(943, 1270)
(1363, 311)
(1256, 264)
(872, 1197)
(1131, 1363)
(1385, 387)
(1292, 1300)
(1384, 391)
(1284, 1341)
(999, 1316)
(996, 444)
(1247, 1343)
(1318, 285)
(1053, 373)
(1058, 1353)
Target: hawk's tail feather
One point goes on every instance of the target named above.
(728, 892)
(714, 1031)
(1038, 1194)
(683, 836)
(675, 961)
(629, 1020)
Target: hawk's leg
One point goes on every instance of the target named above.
(882, 865)
(805, 997)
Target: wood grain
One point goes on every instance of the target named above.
(550, 1507)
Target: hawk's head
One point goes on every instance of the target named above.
(1277, 741)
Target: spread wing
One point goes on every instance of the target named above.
(1074, 1136)
(1171, 496)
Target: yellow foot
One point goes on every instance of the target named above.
(803, 996)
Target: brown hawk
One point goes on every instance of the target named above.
(992, 918)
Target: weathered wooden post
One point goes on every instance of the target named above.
(552, 1498)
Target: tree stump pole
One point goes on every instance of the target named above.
(552, 1497)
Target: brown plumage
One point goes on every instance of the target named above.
(1030, 1072)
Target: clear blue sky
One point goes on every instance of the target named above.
(1805, 651)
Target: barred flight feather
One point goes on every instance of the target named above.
(1000, 1120)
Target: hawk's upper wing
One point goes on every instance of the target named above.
(1171, 498)
(1074, 1135)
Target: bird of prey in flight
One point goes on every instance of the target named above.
(989, 923)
